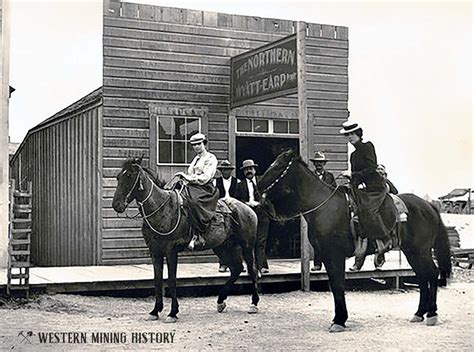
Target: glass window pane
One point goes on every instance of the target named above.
(260, 126)
(164, 152)
(294, 127)
(244, 125)
(280, 126)
(192, 126)
(164, 127)
(178, 152)
(179, 128)
(190, 154)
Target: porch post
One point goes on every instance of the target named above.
(305, 139)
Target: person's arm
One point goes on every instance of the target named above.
(391, 187)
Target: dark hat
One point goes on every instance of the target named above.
(197, 138)
(225, 164)
(248, 163)
(349, 126)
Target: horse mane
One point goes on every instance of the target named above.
(137, 161)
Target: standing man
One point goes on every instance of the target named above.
(319, 161)
(227, 186)
(247, 192)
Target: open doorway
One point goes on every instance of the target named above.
(283, 239)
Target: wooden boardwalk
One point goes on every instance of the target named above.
(127, 277)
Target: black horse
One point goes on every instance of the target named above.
(166, 232)
(294, 189)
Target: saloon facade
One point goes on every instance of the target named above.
(167, 75)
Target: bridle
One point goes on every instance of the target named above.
(141, 204)
(279, 178)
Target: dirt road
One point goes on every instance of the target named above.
(296, 320)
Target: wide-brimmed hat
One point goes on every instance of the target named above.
(318, 156)
(349, 126)
(225, 164)
(197, 138)
(248, 163)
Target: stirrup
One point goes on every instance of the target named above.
(383, 246)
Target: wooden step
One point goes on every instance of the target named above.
(22, 211)
(15, 241)
(19, 231)
(19, 276)
(20, 264)
(20, 251)
(19, 287)
(21, 194)
(21, 221)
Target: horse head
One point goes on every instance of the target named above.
(277, 171)
(128, 182)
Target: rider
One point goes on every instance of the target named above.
(203, 195)
(364, 176)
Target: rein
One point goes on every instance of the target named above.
(141, 204)
(278, 179)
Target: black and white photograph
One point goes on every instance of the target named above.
(265, 175)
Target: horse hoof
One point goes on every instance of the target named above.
(151, 317)
(253, 309)
(431, 321)
(170, 320)
(221, 307)
(336, 328)
(416, 319)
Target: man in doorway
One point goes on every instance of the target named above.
(319, 161)
(227, 186)
(247, 192)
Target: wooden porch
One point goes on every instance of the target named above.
(190, 275)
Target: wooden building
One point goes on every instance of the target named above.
(166, 75)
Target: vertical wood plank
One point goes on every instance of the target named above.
(304, 142)
(153, 142)
(232, 138)
(98, 165)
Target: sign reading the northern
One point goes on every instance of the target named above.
(264, 73)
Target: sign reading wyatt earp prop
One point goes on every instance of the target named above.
(264, 73)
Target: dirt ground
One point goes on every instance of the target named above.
(378, 320)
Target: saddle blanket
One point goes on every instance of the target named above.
(402, 210)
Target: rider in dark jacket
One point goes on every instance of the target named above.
(364, 176)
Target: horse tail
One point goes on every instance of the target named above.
(442, 250)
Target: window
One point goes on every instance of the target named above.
(267, 126)
(173, 138)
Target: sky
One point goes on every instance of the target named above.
(410, 74)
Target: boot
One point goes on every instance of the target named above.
(359, 253)
(379, 260)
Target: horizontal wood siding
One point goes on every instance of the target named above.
(61, 160)
(160, 55)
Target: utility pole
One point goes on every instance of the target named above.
(4, 95)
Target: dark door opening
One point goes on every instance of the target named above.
(283, 239)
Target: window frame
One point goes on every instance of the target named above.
(173, 111)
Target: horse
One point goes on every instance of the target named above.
(294, 190)
(166, 231)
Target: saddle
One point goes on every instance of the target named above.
(356, 230)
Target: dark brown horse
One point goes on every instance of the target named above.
(294, 189)
(166, 232)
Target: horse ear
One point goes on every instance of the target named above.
(139, 160)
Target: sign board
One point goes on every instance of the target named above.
(264, 73)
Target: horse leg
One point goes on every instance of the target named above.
(432, 273)
(249, 258)
(413, 260)
(158, 280)
(172, 262)
(230, 256)
(334, 261)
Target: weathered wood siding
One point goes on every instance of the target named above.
(61, 158)
(160, 55)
